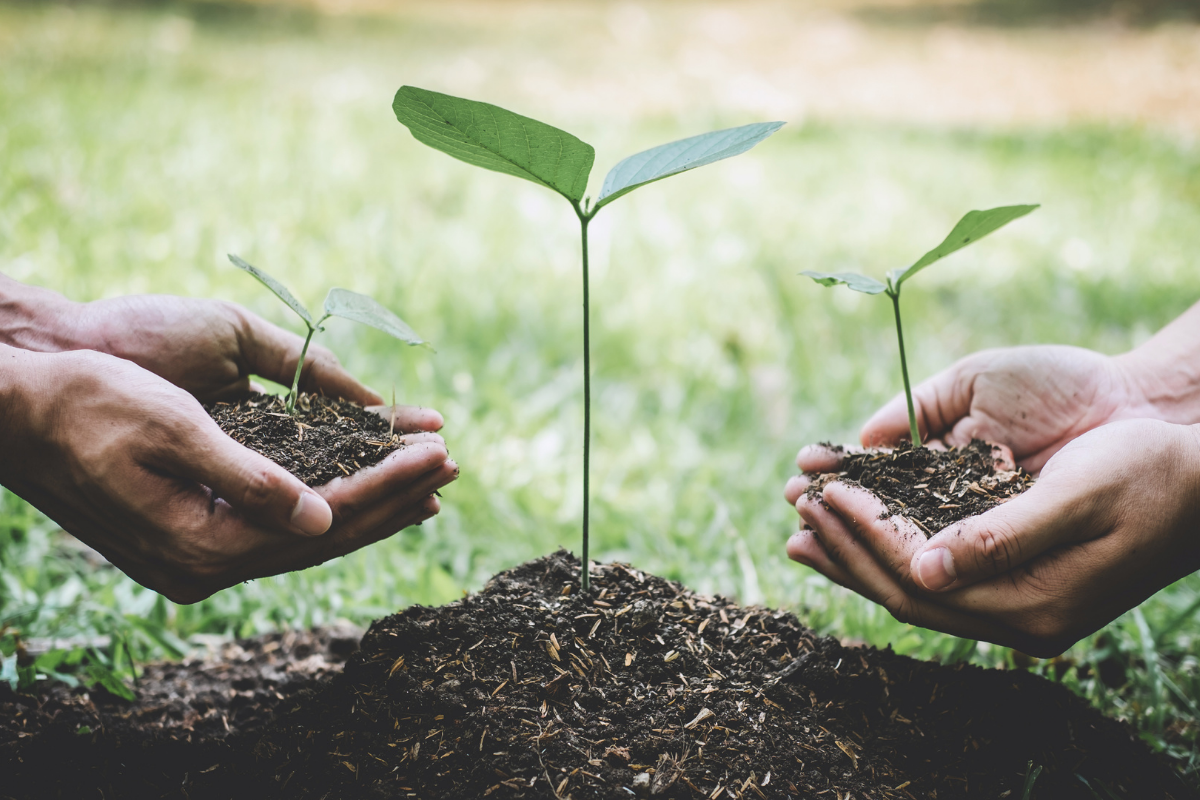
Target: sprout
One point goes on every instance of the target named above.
(493, 138)
(338, 303)
(971, 228)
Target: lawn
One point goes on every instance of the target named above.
(139, 145)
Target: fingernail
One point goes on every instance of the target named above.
(935, 569)
(312, 514)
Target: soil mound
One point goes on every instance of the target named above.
(639, 689)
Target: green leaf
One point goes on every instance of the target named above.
(971, 228)
(360, 308)
(105, 677)
(859, 283)
(8, 671)
(493, 138)
(278, 288)
(676, 157)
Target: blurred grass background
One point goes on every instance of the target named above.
(139, 143)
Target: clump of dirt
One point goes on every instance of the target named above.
(640, 688)
(326, 438)
(933, 488)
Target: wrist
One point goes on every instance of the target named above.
(18, 377)
(36, 319)
(1164, 383)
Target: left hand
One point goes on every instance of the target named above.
(209, 348)
(1113, 518)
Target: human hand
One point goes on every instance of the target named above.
(1111, 520)
(134, 466)
(1032, 399)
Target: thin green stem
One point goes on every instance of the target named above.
(290, 404)
(585, 577)
(912, 414)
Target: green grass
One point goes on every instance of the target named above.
(140, 146)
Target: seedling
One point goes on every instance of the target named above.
(971, 228)
(493, 138)
(338, 303)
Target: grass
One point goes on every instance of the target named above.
(141, 145)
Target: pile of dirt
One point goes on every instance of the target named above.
(933, 488)
(641, 688)
(325, 438)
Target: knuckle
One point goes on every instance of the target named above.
(996, 548)
(261, 488)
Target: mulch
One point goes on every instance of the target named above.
(641, 688)
(932, 488)
(325, 438)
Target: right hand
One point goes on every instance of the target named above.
(136, 468)
(1032, 399)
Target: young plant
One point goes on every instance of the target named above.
(971, 228)
(338, 303)
(493, 138)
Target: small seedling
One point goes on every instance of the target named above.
(971, 228)
(493, 138)
(338, 303)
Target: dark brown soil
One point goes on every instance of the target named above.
(933, 488)
(640, 689)
(325, 439)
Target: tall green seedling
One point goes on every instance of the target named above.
(971, 228)
(491, 137)
(338, 303)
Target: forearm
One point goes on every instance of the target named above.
(36, 319)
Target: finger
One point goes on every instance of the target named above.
(254, 485)
(805, 548)
(353, 523)
(796, 486)
(891, 539)
(814, 458)
(353, 494)
(412, 514)
(1046, 516)
(273, 352)
(410, 418)
(939, 403)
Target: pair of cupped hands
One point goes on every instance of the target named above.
(103, 431)
(1111, 519)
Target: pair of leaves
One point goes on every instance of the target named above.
(497, 139)
(971, 228)
(338, 303)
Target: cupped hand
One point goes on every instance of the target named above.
(1032, 399)
(133, 465)
(1112, 519)
(211, 348)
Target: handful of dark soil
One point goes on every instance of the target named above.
(323, 440)
(640, 689)
(933, 488)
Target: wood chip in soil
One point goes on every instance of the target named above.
(641, 688)
(326, 438)
(933, 488)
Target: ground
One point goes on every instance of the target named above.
(143, 142)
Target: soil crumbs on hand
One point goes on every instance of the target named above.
(325, 439)
(640, 688)
(933, 488)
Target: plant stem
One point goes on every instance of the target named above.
(295, 392)
(585, 577)
(912, 414)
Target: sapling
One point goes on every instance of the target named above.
(338, 303)
(971, 228)
(496, 139)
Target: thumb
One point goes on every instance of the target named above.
(1044, 517)
(939, 403)
(252, 484)
(273, 352)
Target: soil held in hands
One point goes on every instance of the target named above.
(323, 440)
(933, 488)
(638, 689)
